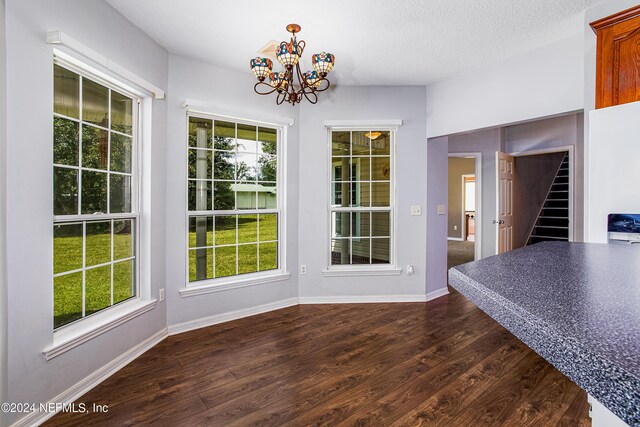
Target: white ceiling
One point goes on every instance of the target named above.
(376, 42)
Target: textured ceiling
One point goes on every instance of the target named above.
(375, 41)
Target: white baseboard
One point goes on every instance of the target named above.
(358, 299)
(456, 239)
(233, 315)
(437, 293)
(83, 386)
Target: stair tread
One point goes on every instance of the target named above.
(549, 237)
(553, 217)
(552, 226)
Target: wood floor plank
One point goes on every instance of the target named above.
(547, 403)
(439, 363)
(578, 413)
(503, 397)
(443, 406)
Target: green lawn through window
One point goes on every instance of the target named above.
(257, 247)
(67, 292)
(257, 251)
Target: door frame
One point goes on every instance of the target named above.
(571, 150)
(478, 223)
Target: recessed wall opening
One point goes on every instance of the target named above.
(463, 209)
(543, 197)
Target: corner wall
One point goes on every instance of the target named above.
(228, 91)
(437, 165)
(29, 184)
(364, 103)
(3, 219)
(594, 13)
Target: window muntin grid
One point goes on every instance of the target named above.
(94, 171)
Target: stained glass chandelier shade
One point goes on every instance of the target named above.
(307, 84)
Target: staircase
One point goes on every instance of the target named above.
(553, 221)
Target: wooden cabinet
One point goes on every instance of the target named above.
(618, 58)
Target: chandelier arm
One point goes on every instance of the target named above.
(301, 80)
(258, 84)
(322, 89)
(280, 98)
(313, 99)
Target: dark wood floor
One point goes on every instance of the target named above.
(442, 363)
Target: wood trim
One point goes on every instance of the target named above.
(614, 19)
(615, 81)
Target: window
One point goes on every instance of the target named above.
(94, 195)
(361, 196)
(233, 198)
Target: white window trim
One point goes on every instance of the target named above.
(76, 49)
(78, 332)
(200, 287)
(391, 269)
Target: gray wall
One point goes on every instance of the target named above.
(3, 180)
(230, 91)
(437, 166)
(364, 103)
(29, 183)
(487, 142)
(457, 168)
(554, 132)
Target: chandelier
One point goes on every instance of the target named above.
(282, 82)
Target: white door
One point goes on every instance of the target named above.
(504, 221)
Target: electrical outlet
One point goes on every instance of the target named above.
(410, 269)
(161, 294)
(303, 269)
(455, 227)
(416, 210)
(442, 209)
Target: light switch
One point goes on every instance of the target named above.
(442, 209)
(416, 210)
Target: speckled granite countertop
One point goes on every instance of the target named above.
(575, 304)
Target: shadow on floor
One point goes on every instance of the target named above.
(459, 253)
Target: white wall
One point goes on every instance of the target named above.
(364, 103)
(614, 175)
(3, 156)
(231, 91)
(543, 82)
(486, 142)
(29, 190)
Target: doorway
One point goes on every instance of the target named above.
(464, 201)
(535, 197)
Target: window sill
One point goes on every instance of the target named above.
(210, 287)
(85, 330)
(347, 272)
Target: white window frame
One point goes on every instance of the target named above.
(77, 59)
(248, 279)
(390, 126)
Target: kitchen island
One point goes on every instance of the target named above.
(575, 304)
